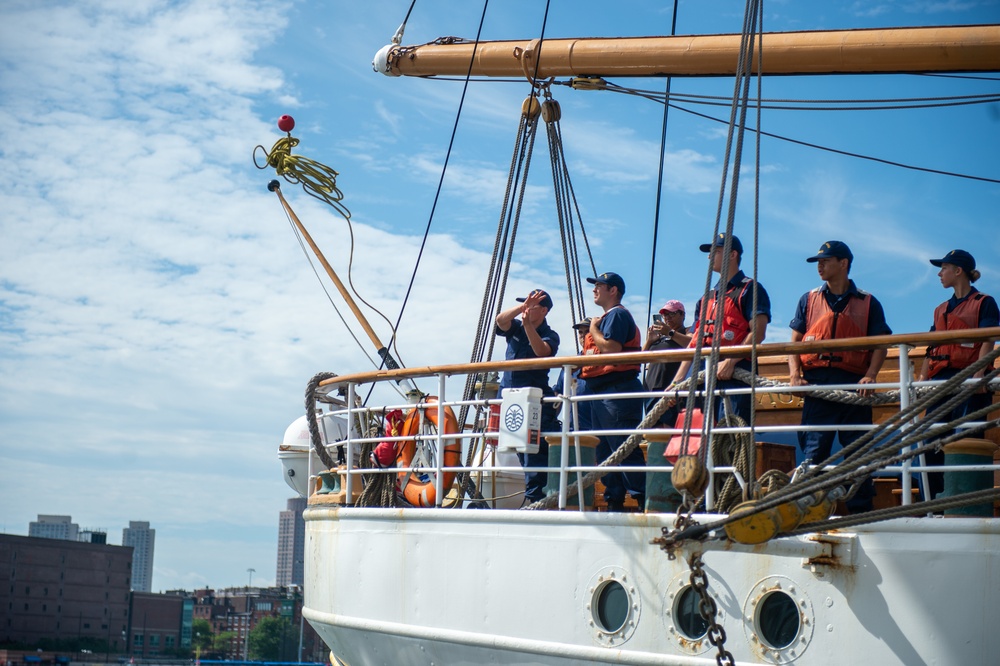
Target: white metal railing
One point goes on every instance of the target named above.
(570, 421)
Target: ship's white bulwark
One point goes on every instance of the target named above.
(389, 586)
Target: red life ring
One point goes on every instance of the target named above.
(419, 489)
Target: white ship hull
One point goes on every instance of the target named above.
(431, 586)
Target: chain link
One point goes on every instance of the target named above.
(708, 610)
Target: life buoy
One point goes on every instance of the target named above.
(418, 488)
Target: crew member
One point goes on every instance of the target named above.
(531, 337)
(612, 332)
(741, 324)
(967, 308)
(836, 310)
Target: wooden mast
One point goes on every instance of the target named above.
(892, 50)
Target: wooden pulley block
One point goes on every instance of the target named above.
(531, 107)
(551, 113)
(753, 527)
(689, 475)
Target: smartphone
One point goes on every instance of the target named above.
(657, 318)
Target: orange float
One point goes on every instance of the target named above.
(418, 488)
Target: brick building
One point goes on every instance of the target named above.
(161, 624)
(60, 592)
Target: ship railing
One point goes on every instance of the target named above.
(474, 434)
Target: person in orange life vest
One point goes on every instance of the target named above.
(741, 324)
(837, 309)
(531, 337)
(967, 308)
(614, 331)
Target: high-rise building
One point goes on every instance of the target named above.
(54, 527)
(291, 544)
(142, 539)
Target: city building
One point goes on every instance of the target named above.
(59, 593)
(54, 527)
(236, 612)
(161, 624)
(91, 535)
(291, 544)
(142, 539)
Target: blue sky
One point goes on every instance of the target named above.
(158, 321)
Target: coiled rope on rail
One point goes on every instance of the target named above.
(313, 420)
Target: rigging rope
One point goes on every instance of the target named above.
(807, 144)
(659, 179)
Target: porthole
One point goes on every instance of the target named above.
(686, 629)
(778, 620)
(687, 615)
(613, 607)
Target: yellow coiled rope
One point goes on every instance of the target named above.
(317, 179)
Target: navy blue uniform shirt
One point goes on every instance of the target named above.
(518, 346)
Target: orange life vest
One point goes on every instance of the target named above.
(590, 347)
(735, 326)
(963, 317)
(822, 323)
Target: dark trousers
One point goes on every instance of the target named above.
(534, 482)
(935, 481)
(625, 413)
(817, 445)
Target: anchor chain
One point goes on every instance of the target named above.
(709, 611)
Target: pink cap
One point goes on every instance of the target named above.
(672, 306)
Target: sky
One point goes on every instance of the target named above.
(159, 321)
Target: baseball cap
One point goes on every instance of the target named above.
(546, 301)
(721, 242)
(583, 324)
(959, 258)
(834, 249)
(672, 306)
(610, 279)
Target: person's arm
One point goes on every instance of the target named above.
(682, 339)
(795, 364)
(605, 345)
(878, 358)
(654, 334)
(505, 318)
(538, 345)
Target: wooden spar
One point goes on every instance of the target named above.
(329, 270)
(875, 51)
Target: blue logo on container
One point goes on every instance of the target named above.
(513, 418)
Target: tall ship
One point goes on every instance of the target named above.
(421, 545)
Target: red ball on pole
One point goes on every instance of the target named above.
(286, 123)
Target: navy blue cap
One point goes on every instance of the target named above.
(583, 324)
(546, 301)
(721, 242)
(834, 250)
(610, 279)
(959, 258)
